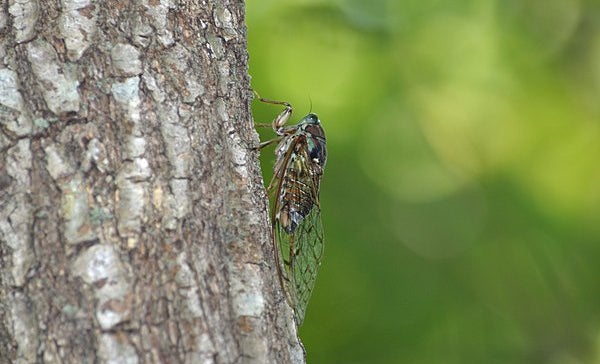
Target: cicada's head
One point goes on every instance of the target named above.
(312, 125)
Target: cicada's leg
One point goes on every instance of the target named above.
(269, 142)
(283, 117)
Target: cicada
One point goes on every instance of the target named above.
(296, 213)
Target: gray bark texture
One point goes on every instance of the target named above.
(133, 218)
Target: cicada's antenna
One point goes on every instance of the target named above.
(310, 100)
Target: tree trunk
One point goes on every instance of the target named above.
(133, 219)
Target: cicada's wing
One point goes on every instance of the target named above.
(297, 226)
(301, 253)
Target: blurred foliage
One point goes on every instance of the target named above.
(461, 199)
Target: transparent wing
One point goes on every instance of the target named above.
(300, 254)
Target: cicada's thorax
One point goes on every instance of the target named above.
(301, 175)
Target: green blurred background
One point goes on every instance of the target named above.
(461, 199)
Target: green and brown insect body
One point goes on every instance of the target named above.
(301, 158)
(297, 228)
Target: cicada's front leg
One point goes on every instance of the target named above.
(278, 123)
(282, 118)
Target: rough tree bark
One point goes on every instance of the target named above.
(133, 220)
